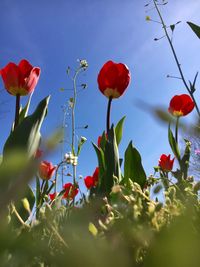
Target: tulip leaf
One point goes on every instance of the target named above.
(103, 141)
(101, 162)
(100, 156)
(112, 163)
(109, 165)
(173, 144)
(195, 28)
(24, 111)
(133, 168)
(184, 163)
(119, 130)
(26, 136)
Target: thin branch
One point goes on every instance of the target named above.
(176, 58)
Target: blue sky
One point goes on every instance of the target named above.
(54, 34)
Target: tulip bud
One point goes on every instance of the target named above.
(46, 170)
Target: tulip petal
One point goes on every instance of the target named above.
(31, 81)
(25, 68)
(10, 76)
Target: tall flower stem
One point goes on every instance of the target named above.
(17, 107)
(176, 58)
(176, 131)
(73, 120)
(108, 114)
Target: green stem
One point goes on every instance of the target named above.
(176, 131)
(18, 216)
(108, 114)
(56, 175)
(42, 186)
(73, 120)
(176, 58)
(73, 109)
(17, 107)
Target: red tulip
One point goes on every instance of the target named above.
(53, 196)
(20, 79)
(46, 170)
(181, 105)
(91, 181)
(165, 163)
(70, 191)
(113, 79)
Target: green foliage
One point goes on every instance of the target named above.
(184, 162)
(24, 111)
(130, 229)
(173, 144)
(112, 158)
(133, 168)
(195, 28)
(26, 137)
(119, 130)
(108, 160)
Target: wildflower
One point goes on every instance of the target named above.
(83, 63)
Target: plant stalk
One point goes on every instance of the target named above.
(17, 108)
(176, 131)
(108, 114)
(73, 120)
